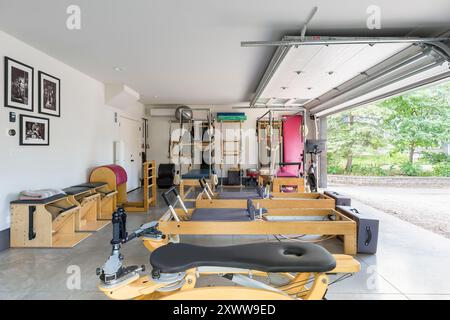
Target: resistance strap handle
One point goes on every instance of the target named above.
(31, 233)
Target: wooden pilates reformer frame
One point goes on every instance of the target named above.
(279, 200)
(191, 185)
(305, 274)
(112, 176)
(284, 217)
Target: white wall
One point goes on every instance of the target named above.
(81, 139)
(159, 137)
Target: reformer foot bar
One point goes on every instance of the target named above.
(176, 268)
(271, 221)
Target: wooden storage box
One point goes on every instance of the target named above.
(47, 223)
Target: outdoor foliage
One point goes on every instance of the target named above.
(418, 120)
(399, 136)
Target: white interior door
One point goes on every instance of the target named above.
(131, 136)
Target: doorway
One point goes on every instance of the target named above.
(131, 135)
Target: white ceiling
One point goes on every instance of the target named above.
(188, 51)
(309, 71)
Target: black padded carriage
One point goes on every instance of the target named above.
(265, 256)
(225, 214)
(220, 214)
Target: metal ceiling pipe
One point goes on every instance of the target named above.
(276, 60)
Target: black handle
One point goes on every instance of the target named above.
(201, 183)
(354, 210)
(31, 233)
(165, 194)
(369, 236)
(119, 222)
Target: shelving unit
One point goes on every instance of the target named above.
(236, 150)
(195, 128)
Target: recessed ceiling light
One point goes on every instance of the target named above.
(155, 97)
(118, 69)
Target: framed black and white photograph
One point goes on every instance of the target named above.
(34, 131)
(18, 85)
(49, 94)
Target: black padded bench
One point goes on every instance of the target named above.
(266, 257)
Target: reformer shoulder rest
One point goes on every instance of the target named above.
(266, 257)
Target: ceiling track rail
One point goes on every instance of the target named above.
(429, 81)
(320, 41)
(409, 74)
(438, 44)
(275, 62)
(320, 104)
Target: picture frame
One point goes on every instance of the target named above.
(19, 85)
(34, 131)
(49, 90)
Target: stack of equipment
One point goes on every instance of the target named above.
(367, 229)
(166, 174)
(231, 116)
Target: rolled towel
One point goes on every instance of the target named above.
(39, 194)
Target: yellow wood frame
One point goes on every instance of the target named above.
(191, 184)
(340, 225)
(108, 202)
(149, 184)
(54, 225)
(103, 174)
(144, 288)
(295, 200)
(89, 203)
(279, 182)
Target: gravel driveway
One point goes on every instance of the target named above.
(425, 207)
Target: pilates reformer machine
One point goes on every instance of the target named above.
(192, 132)
(303, 267)
(262, 197)
(281, 142)
(251, 217)
(116, 178)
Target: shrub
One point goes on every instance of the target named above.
(442, 169)
(410, 169)
(435, 158)
(333, 169)
(367, 170)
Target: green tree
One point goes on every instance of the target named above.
(418, 120)
(354, 132)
